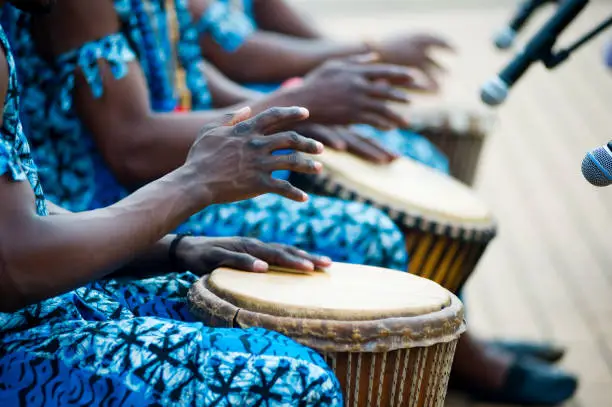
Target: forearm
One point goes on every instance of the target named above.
(145, 146)
(270, 57)
(278, 16)
(154, 261)
(158, 144)
(46, 256)
(226, 92)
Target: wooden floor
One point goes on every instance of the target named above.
(548, 275)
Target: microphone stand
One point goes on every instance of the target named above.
(552, 60)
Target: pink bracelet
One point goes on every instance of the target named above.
(292, 82)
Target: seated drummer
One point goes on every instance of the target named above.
(273, 31)
(72, 331)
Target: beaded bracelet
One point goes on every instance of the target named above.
(174, 260)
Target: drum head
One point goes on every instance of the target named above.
(342, 292)
(408, 187)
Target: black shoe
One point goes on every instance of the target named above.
(528, 382)
(542, 351)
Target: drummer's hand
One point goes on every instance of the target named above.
(345, 139)
(202, 255)
(413, 50)
(233, 158)
(355, 90)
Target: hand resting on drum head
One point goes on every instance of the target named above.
(346, 139)
(202, 255)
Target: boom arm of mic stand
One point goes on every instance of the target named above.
(554, 59)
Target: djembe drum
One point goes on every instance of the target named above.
(447, 228)
(458, 132)
(389, 336)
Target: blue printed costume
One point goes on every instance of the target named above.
(134, 343)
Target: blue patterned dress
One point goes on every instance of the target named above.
(231, 22)
(133, 343)
(76, 177)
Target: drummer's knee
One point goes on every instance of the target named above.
(300, 368)
(320, 385)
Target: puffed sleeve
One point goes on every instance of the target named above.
(228, 26)
(10, 164)
(114, 49)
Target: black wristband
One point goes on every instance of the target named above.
(174, 260)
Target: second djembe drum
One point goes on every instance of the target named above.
(446, 226)
(458, 132)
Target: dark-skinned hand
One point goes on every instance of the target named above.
(232, 160)
(345, 139)
(355, 90)
(202, 255)
(413, 50)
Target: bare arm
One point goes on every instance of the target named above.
(270, 56)
(154, 260)
(224, 91)
(46, 256)
(273, 57)
(137, 144)
(278, 16)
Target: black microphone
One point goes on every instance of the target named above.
(539, 48)
(597, 166)
(505, 38)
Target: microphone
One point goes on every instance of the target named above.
(608, 55)
(495, 91)
(505, 38)
(597, 166)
